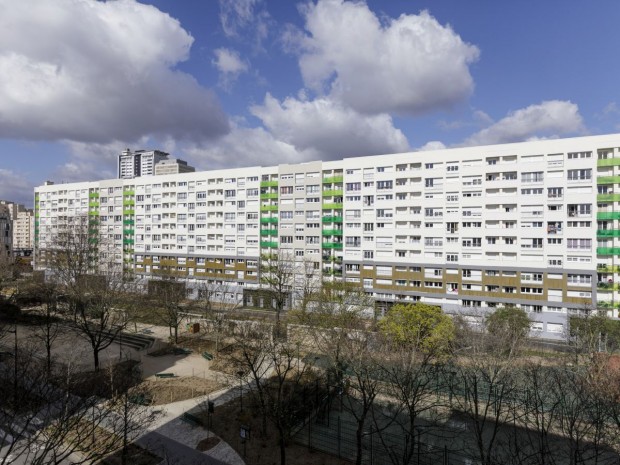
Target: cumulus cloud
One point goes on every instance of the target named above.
(329, 127)
(432, 145)
(229, 64)
(551, 118)
(15, 187)
(96, 71)
(409, 65)
(244, 147)
(237, 16)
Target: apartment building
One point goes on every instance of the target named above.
(533, 224)
(172, 166)
(22, 226)
(6, 236)
(139, 163)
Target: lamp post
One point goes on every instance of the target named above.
(240, 374)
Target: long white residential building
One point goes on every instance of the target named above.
(534, 224)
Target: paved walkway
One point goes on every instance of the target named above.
(172, 427)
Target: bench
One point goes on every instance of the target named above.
(165, 375)
(207, 356)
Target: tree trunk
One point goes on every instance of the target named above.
(176, 334)
(96, 358)
(282, 445)
(358, 439)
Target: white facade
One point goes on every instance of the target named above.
(139, 163)
(468, 229)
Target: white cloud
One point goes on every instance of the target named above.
(551, 118)
(432, 145)
(16, 188)
(98, 71)
(410, 65)
(229, 64)
(245, 16)
(329, 127)
(244, 147)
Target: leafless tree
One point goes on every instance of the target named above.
(216, 303)
(169, 299)
(277, 279)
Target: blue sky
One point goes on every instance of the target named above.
(248, 82)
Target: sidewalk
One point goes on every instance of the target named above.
(170, 425)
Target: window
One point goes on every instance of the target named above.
(581, 244)
(576, 155)
(534, 176)
(579, 279)
(554, 192)
(384, 185)
(580, 175)
(353, 186)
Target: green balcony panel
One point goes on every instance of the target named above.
(269, 232)
(269, 244)
(608, 232)
(271, 195)
(608, 197)
(332, 192)
(608, 250)
(94, 213)
(332, 206)
(607, 286)
(128, 203)
(269, 184)
(608, 215)
(332, 245)
(332, 232)
(129, 232)
(128, 241)
(269, 220)
(268, 208)
(608, 179)
(332, 219)
(333, 179)
(607, 269)
(93, 194)
(129, 212)
(608, 162)
(93, 204)
(129, 192)
(128, 222)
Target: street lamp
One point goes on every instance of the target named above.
(240, 374)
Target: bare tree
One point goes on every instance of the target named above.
(277, 280)
(216, 304)
(169, 299)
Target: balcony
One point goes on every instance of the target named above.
(332, 219)
(269, 232)
(608, 250)
(608, 232)
(332, 245)
(608, 162)
(333, 179)
(129, 212)
(608, 215)
(332, 192)
(607, 179)
(269, 184)
(269, 208)
(332, 206)
(332, 232)
(270, 219)
(268, 196)
(269, 244)
(608, 197)
(607, 286)
(607, 269)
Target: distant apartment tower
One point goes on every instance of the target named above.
(22, 227)
(139, 163)
(6, 236)
(173, 166)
